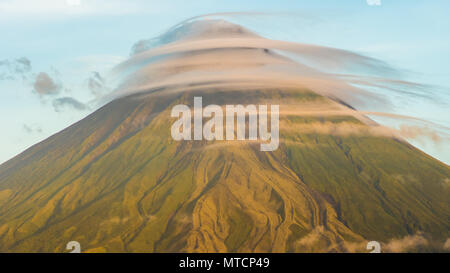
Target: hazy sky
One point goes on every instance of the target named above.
(55, 54)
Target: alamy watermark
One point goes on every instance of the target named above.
(213, 129)
(374, 246)
(74, 246)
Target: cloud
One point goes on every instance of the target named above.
(205, 54)
(69, 7)
(407, 243)
(217, 53)
(338, 129)
(420, 242)
(312, 238)
(24, 65)
(14, 69)
(97, 85)
(416, 132)
(30, 129)
(45, 85)
(27, 128)
(447, 245)
(140, 46)
(60, 103)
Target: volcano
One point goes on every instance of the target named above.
(116, 181)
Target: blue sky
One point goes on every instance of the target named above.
(69, 40)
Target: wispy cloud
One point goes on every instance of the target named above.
(45, 85)
(68, 7)
(60, 103)
(97, 84)
(407, 243)
(30, 129)
(15, 69)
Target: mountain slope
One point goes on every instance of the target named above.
(116, 181)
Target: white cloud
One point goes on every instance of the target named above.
(73, 2)
(67, 7)
(101, 63)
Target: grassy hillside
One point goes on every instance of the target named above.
(117, 182)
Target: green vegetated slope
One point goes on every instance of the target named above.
(117, 182)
